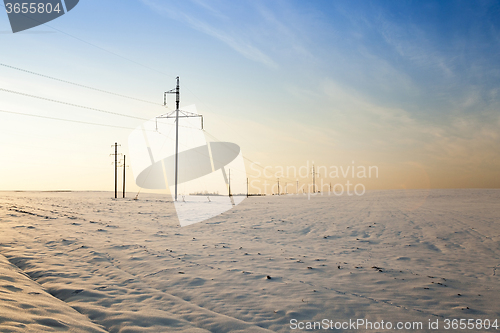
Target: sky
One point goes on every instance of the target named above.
(408, 87)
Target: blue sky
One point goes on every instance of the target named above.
(409, 86)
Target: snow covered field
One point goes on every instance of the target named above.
(96, 264)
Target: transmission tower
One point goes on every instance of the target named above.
(177, 114)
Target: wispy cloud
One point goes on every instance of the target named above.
(411, 43)
(221, 28)
(287, 28)
(264, 32)
(210, 8)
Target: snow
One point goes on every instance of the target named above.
(85, 262)
(27, 307)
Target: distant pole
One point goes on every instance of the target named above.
(124, 176)
(278, 186)
(297, 187)
(116, 168)
(247, 187)
(314, 180)
(229, 182)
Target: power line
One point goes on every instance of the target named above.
(78, 84)
(62, 119)
(70, 104)
(74, 105)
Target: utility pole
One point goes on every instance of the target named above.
(124, 166)
(229, 182)
(297, 187)
(247, 187)
(177, 114)
(177, 100)
(116, 168)
(278, 186)
(229, 186)
(314, 179)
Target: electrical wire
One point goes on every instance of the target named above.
(78, 84)
(70, 104)
(62, 119)
(80, 106)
